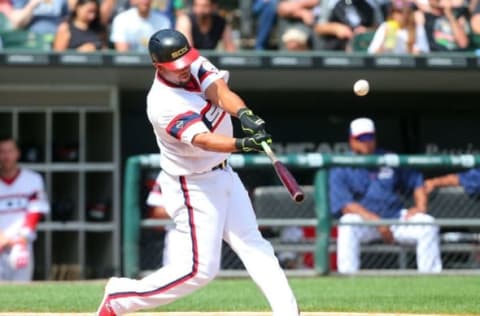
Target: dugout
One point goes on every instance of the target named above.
(425, 104)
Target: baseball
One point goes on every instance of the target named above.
(361, 87)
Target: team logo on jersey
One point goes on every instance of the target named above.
(208, 66)
(212, 116)
(13, 203)
(179, 124)
(385, 173)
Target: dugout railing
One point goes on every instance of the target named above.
(315, 213)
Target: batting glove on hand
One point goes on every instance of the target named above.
(253, 143)
(251, 123)
(19, 256)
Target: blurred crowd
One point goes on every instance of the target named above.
(373, 26)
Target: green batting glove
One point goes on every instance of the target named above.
(253, 143)
(251, 123)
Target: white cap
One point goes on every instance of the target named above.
(295, 34)
(361, 128)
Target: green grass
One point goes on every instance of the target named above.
(421, 294)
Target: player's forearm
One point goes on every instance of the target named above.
(220, 94)
(420, 198)
(446, 181)
(356, 208)
(214, 142)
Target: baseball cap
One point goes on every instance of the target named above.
(362, 129)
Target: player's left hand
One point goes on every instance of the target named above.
(253, 143)
(251, 123)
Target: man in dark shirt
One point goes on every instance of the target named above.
(205, 28)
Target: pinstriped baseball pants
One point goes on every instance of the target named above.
(206, 208)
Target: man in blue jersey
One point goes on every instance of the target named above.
(469, 180)
(368, 194)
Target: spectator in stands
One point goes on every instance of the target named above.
(132, 28)
(205, 28)
(299, 14)
(22, 203)
(447, 26)
(40, 17)
(399, 34)
(6, 11)
(475, 16)
(82, 31)
(266, 13)
(367, 194)
(339, 21)
(171, 8)
(469, 180)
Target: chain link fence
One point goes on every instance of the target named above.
(304, 235)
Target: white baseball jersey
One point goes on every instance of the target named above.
(179, 113)
(19, 196)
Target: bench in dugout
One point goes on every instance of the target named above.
(458, 215)
(288, 225)
(291, 229)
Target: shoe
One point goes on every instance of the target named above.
(105, 308)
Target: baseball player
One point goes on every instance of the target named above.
(368, 194)
(190, 107)
(22, 203)
(469, 180)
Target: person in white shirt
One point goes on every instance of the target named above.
(400, 33)
(23, 201)
(132, 28)
(190, 107)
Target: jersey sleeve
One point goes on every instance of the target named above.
(186, 125)
(470, 180)
(207, 73)
(339, 192)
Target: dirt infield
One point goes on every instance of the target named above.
(223, 314)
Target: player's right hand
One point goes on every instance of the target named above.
(253, 143)
(251, 123)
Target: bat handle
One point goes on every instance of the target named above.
(268, 151)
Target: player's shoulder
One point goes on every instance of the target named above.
(30, 175)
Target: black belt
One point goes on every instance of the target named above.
(222, 165)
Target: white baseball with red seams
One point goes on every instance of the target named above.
(207, 205)
(361, 87)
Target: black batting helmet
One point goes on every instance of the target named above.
(170, 49)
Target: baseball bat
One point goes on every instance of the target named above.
(285, 176)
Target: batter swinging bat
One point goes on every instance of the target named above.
(288, 180)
